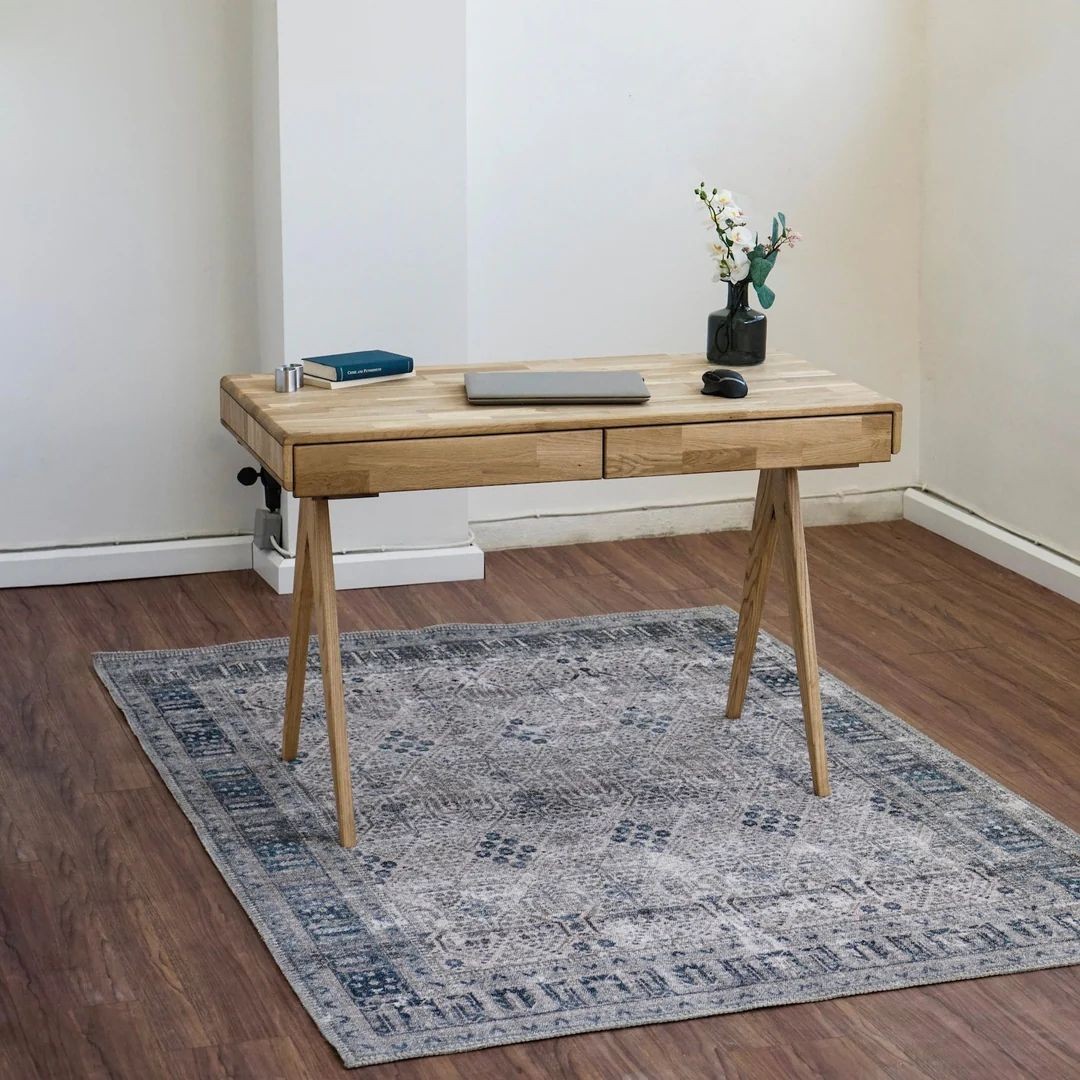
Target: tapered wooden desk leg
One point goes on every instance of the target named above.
(778, 517)
(788, 512)
(762, 545)
(303, 596)
(320, 553)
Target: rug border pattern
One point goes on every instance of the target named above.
(992, 791)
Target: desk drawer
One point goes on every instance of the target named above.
(367, 468)
(747, 444)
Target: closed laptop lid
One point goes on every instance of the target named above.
(555, 387)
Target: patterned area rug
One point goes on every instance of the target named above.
(560, 832)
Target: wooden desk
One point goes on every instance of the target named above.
(420, 434)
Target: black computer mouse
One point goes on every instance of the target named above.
(724, 382)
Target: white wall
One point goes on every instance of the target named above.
(589, 126)
(266, 184)
(372, 118)
(492, 181)
(136, 218)
(1001, 318)
(125, 267)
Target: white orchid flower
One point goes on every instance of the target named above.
(742, 237)
(739, 273)
(738, 265)
(736, 238)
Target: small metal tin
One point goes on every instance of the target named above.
(288, 378)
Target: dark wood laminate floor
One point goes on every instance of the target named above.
(124, 954)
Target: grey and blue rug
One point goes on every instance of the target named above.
(560, 832)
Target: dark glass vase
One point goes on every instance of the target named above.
(736, 332)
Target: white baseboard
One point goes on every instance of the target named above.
(112, 562)
(541, 531)
(1040, 564)
(369, 570)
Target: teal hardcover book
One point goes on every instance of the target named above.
(369, 364)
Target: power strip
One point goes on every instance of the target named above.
(267, 529)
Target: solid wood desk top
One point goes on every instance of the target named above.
(433, 403)
(421, 433)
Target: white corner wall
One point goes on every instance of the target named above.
(126, 267)
(589, 126)
(520, 186)
(1000, 311)
(371, 99)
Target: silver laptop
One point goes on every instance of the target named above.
(555, 387)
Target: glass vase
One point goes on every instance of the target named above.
(736, 332)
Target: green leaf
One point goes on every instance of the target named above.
(765, 295)
(760, 266)
(775, 230)
(783, 220)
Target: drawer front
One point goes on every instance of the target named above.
(805, 442)
(367, 468)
